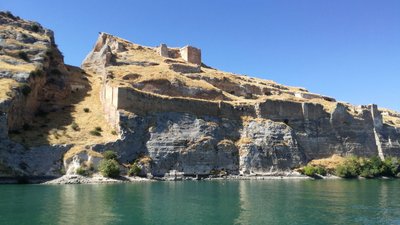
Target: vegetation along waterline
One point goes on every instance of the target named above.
(353, 167)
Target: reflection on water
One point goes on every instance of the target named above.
(319, 202)
(215, 202)
(79, 204)
(74, 204)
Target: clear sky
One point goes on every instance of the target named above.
(348, 49)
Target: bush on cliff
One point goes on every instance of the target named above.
(35, 28)
(134, 170)
(23, 55)
(75, 126)
(95, 133)
(350, 168)
(368, 167)
(109, 168)
(391, 167)
(109, 154)
(311, 170)
(25, 89)
(82, 171)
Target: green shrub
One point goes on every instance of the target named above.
(390, 167)
(370, 168)
(22, 55)
(25, 89)
(81, 171)
(349, 169)
(134, 170)
(75, 126)
(49, 53)
(36, 73)
(311, 171)
(109, 168)
(86, 110)
(321, 170)
(95, 133)
(114, 132)
(9, 14)
(35, 28)
(109, 154)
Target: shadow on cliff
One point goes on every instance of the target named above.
(54, 122)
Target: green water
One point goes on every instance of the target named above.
(204, 202)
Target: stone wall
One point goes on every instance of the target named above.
(192, 136)
(163, 49)
(307, 95)
(319, 132)
(188, 53)
(139, 102)
(191, 54)
(142, 103)
(109, 99)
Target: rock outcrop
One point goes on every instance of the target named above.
(33, 66)
(171, 116)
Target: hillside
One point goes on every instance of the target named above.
(143, 68)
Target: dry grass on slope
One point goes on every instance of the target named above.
(70, 124)
(37, 35)
(390, 117)
(28, 67)
(328, 163)
(5, 88)
(174, 77)
(161, 80)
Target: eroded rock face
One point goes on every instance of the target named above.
(179, 141)
(29, 55)
(17, 160)
(267, 147)
(195, 145)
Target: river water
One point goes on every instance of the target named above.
(204, 202)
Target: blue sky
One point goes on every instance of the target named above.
(348, 49)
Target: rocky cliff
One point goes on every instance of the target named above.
(153, 103)
(33, 76)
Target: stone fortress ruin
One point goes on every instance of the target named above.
(188, 53)
(152, 84)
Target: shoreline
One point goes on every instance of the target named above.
(98, 179)
(77, 179)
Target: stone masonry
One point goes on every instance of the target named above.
(188, 53)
